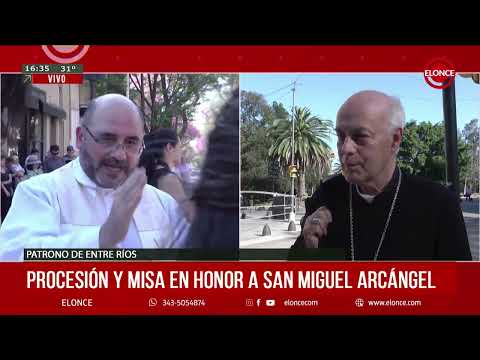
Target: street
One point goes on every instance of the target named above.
(252, 227)
(471, 215)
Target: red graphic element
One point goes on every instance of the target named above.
(456, 291)
(65, 54)
(57, 78)
(255, 58)
(439, 73)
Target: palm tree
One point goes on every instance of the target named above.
(310, 148)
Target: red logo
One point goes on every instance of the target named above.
(65, 54)
(439, 74)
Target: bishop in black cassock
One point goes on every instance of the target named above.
(373, 210)
(426, 222)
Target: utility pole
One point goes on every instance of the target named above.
(292, 212)
(450, 123)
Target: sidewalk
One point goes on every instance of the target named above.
(251, 230)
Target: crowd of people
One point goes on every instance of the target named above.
(13, 172)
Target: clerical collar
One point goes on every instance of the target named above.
(368, 198)
(389, 188)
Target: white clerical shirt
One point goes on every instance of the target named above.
(66, 209)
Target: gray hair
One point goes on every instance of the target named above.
(397, 116)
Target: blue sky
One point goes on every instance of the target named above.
(325, 93)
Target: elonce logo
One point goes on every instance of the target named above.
(439, 74)
(65, 54)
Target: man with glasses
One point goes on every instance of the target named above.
(99, 200)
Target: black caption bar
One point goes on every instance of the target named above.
(181, 254)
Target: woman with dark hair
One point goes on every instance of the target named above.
(161, 154)
(216, 224)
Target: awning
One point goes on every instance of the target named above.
(36, 99)
(53, 110)
(33, 97)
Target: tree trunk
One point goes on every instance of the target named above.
(184, 124)
(164, 91)
(142, 99)
(152, 87)
(301, 185)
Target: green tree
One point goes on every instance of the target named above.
(258, 171)
(169, 100)
(254, 158)
(253, 149)
(469, 175)
(111, 83)
(313, 179)
(278, 112)
(310, 149)
(254, 108)
(422, 151)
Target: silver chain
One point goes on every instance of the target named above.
(386, 224)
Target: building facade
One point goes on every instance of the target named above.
(38, 116)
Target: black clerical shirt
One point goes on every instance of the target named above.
(426, 223)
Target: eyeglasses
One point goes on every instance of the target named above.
(109, 142)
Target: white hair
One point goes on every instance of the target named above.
(397, 115)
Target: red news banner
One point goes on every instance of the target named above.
(240, 288)
(246, 58)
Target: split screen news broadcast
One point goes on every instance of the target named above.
(240, 180)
